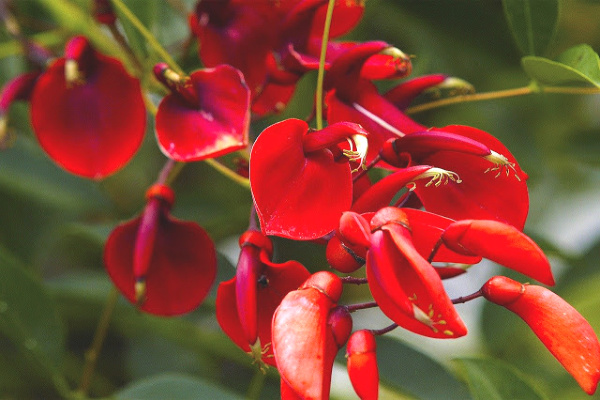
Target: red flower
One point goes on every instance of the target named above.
(207, 115)
(300, 189)
(87, 112)
(164, 265)
(564, 332)
(268, 41)
(308, 331)
(246, 303)
(406, 287)
(362, 364)
(500, 243)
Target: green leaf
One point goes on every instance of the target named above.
(491, 379)
(533, 23)
(578, 65)
(29, 321)
(403, 368)
(174, 386)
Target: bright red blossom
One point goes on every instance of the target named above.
(87, 112)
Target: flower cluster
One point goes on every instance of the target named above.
(450, 196)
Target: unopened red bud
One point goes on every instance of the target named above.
(354, 229)
(362, 364)
(340, 323)
(327, 283)
(342, 257)
(389, 215)
(561, 328)
(256, 239)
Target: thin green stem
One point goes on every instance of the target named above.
(256, 385)
(152, 42)
(321, 72)
(91, 355)
(500, 94)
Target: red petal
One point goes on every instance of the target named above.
(561, 328)
(217, 125)
(362, 364)
(303, 344)
(500, 243)
(480, 195)
(403, 94)
(400, 278)
(181, 272)
(90, 129)
(381, 193)
(297, 195)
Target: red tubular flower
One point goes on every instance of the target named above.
(564, 332)
(207, 115)
(308, 330)
(19, 88)
(164, 265)
(299, 188)
(362, 364)
(87, 112)
(246, 303)
(493, 185)
(500, 243)
(405, 286)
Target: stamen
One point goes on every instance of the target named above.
(140, 291)
(360, 154)
(421, 316)
(455, 87)
(396, 53)
(501, 164)
(73, 75)
(257, 352)
(438, 177)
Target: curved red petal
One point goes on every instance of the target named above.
(91, 129)
(501, 243)
(297, 195)
(181, 272)
(483, 193)
(303, 344)
(400, 280)
(403, 94)
(560, 327)
(362, 364)
(217, 125)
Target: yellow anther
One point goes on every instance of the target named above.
(73, 76)
(359, 145)
(140, 292)
(438, 177)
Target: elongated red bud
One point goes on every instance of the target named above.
(362, 364)
(354, 229)
(342, 257)
(340, 323)
(501, 243)
(561, 328)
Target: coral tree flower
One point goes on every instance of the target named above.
(246, 303)
(87, 112)
(164, 265)
(362, 364)
(308, 331)
(563, 330)
(405, 285)
(206, 115)
(268, 41)
(300, 188)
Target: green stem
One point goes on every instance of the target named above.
(321, 73)
(152, 42)
(256, 385)
(91, 355)
(533, 88)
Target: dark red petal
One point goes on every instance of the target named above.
(501, 243)
(181, 272)
(90, 129)
(561, 328)
(217, 125)
(405, 285)
(497, 194)
(297, 195)
(404, 93)
(426, 230)
(362, 364)
(272, 98)
(18, 88)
